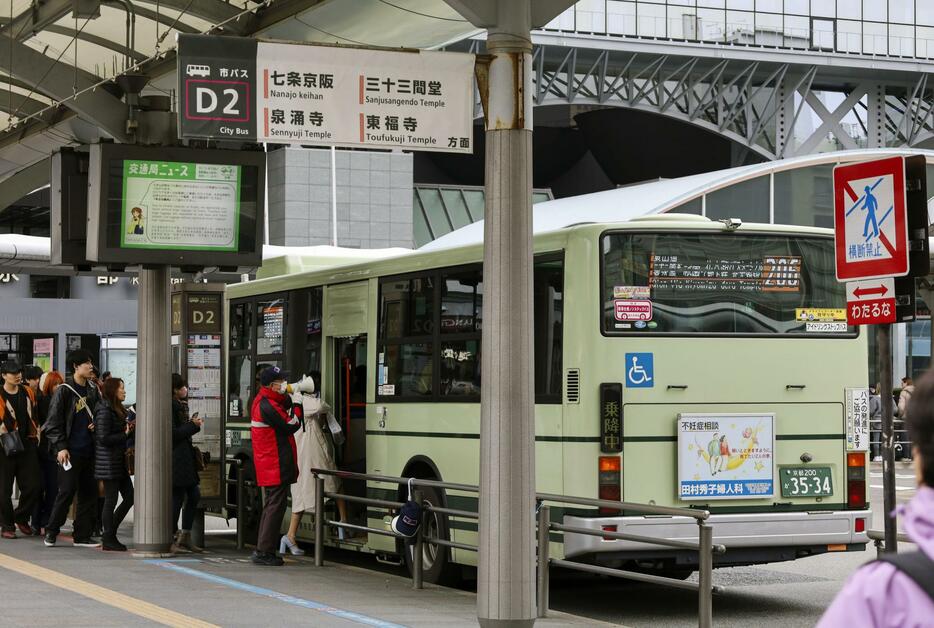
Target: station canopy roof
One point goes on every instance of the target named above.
(48, 53)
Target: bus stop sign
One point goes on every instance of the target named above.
(870, 219)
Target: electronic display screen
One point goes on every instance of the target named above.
(176, 206)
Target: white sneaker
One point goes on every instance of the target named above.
(877, 459)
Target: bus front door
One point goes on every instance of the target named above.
(349, 377)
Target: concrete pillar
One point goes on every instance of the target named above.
(152, 527)
(506, 575)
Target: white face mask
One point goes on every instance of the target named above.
(284, 387)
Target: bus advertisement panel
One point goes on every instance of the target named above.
(726, 456)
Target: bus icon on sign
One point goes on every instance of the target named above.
(197, 70)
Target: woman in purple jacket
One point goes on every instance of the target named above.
(880, 594)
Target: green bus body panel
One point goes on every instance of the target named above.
(346, 309)
(730, 374)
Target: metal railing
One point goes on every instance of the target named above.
(878, 539)
(901, 442)
(704, 546)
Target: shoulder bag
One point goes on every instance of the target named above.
(12, 442)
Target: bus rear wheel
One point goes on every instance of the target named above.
(437, 567)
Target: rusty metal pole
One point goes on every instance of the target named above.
(506, 574)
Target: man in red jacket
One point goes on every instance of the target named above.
(273, 421)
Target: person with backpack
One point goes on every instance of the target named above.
(18, 417)
(69, 432)
(898, 589)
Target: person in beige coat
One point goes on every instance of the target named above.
(315, 450)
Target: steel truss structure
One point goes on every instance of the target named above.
(771, 108)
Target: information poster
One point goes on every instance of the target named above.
(726, 456)
(857, 419)
(42, 353)
(203, 357)
(180, 206)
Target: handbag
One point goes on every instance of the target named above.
(199, 459)
(130, 457)
(12, 441)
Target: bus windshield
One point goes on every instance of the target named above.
(721, 283)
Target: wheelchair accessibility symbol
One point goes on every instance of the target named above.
(640, 370)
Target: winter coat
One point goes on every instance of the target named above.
(109, 443)
(62, 409)
(878, 594)
(43, 402)
(184, 471)
(315, 451)
(273, 423)
(903, 398)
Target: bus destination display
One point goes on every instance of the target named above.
(173, 205)
(766, 274)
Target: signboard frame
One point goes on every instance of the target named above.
(191, 297)
(315, 94)
(104, 232)
(897, 264)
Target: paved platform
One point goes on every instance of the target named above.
(66, 586)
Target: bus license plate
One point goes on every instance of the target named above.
(805, 481)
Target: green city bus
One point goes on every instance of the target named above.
(679, 361)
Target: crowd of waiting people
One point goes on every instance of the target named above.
(70, 439)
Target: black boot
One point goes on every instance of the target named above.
(112, 544)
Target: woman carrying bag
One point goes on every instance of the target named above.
(110, 436)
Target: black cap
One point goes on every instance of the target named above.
(10, 366)
(271, 374)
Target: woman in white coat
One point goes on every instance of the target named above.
(315, 450)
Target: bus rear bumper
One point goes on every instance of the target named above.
(758, 530)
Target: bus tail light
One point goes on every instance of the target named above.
(609, 481)
(856, 480)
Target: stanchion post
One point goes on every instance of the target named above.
(319, 521)
(241, 507)
(544, 528)
(884, 343)
(419, 549)
(705, 575)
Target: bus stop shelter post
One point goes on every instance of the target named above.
(884, 343)
(705, 574)
(152, 529)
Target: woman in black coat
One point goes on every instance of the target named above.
(110, 434)
(185, 478)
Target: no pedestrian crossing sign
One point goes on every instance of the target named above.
(870, 219)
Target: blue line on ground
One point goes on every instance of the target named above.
(282, 597)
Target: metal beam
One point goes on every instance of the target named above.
(36, 18)
(23, 182)
(21, 104)
(103, 42)
(213, 11)
(57, 81)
